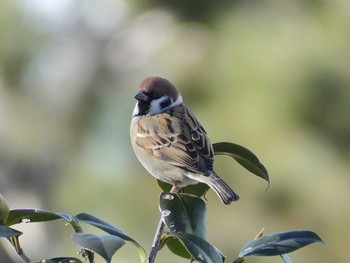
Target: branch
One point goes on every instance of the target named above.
(156, 241)
(15, 243)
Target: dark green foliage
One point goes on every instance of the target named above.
(244, 157)
(183, 213)
(112, 230)
(17, 216)
(104, 245)
(9, 232)
(197, 248)
(184, 216)
(279, 243)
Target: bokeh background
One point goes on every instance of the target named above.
(271, 75)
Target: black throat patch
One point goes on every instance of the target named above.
(143, 108)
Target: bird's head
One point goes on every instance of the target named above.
(156, 95)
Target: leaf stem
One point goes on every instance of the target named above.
(159, 232)
(156, 241)
(15, 243)
(87, 254)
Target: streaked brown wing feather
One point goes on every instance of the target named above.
(183, 145)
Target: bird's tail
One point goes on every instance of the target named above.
(225, 193)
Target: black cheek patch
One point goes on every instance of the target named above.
(143, 108)
(165, 103)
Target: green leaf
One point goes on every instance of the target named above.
(244, 157)
(104, 245)
(195, 189)
(183, 213)
(176, 246)
(103, 225)
(9, 232)
(17, 216)
(164, 186)
(279, 243)
(60, 260)
(110, 229)
(192, 247)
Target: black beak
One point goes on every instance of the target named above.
(142, 97)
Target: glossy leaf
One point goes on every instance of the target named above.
(279, 243)
(164, 186)
(9, 232)
(196, 189)
(110, 229)
(60, 260)
(17, 216)
(183, 213)
(192, 247)
(244, 157)
(103, 225)
(104, 245)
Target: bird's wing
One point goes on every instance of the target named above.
(177, 137)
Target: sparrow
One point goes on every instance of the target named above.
(169, 141)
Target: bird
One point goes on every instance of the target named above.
(170, 142)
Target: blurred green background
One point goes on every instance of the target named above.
(273, 76)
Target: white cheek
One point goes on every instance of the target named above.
(178, 101)
(155, 106)
(136, 110)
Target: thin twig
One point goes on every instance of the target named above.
(156, 241)
(24, 257)
(15, 243)
(157, 237)
(89, 255)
